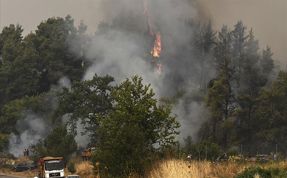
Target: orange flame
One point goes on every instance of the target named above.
(156, 51)
(157, 46)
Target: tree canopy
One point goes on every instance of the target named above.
(129, 123)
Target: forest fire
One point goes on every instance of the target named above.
(157, 46)
(156, 51)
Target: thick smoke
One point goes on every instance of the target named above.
(266, 17)
(33, 126)
(31, 129)
(121, 48)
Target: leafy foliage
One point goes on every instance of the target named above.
(31, 65)
(237, 95)
(87, 101)
(3, 142)
(14, 110)
(130, 125)
(58, 143)
(126, 122)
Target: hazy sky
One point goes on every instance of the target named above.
(268, 18)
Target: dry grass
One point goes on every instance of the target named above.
(203, 169)
(26, 174)
(85, 169)
(180, 169)
(174, 169)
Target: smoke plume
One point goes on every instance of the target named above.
(122, 44)
(33, 126)
(31, 129)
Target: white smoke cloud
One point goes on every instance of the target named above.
(64, 82)
(194, 114)
(122, 50)
(82, 138)
(31, 129)
(120, 58)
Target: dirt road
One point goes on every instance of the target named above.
(5, 176)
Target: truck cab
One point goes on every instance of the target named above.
(51, 167)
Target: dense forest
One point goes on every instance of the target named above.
(41, 78)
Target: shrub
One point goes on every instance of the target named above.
(3, 142)
(71, 167)
(58, 143)
(263, 173)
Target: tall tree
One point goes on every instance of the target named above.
(239, 39)
(10, 48)
(267, 62)
(126, 121)
(250, 84)
(52, 41)
(134, 129)
(225, 69)
(87, 101)
(204, 41)
(10, 40)
(220, 98)
(270, 123)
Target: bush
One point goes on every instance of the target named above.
(263, 173)
(135, 129)
(3, 142)
(58, 143)
(71, 167)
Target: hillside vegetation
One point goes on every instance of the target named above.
(44, 100)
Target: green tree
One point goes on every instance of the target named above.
(58, 143)
(127, 123)
(30, 65)
(10, 49)
(251, 82)
(270, 123)
(218, 102)
(4, 141)
(239, 40)
(135, 128)
(24, 76)
(220, 95)
(267, 62)
(10, 41)
(14, 110)
(53, 40)
(204, 41)
(87, 101)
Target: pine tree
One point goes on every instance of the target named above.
(267, 63)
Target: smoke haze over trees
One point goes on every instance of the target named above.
(221, 87)
(268, 18)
